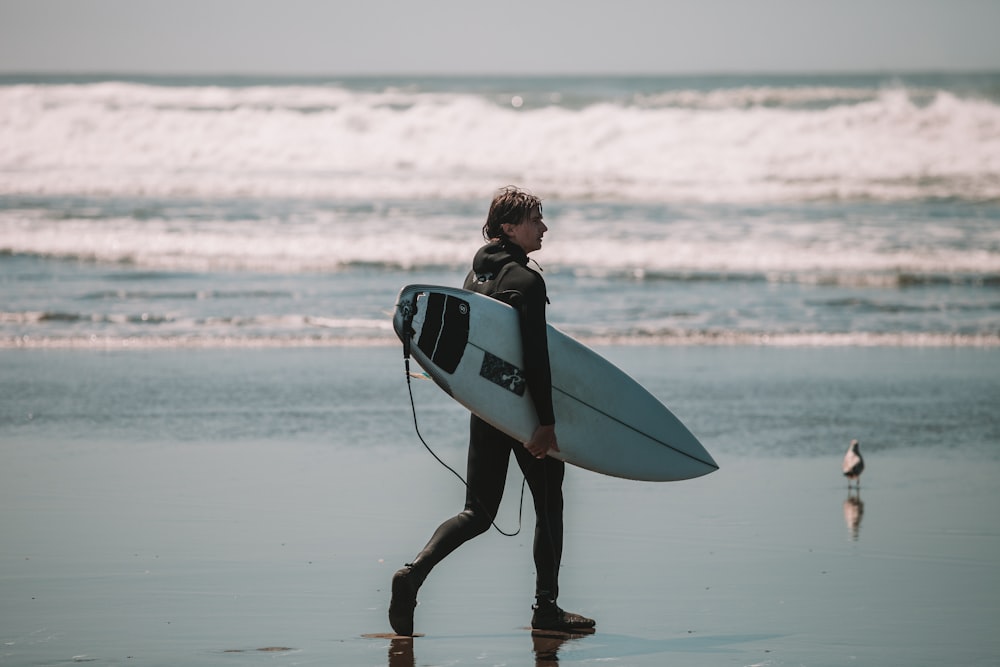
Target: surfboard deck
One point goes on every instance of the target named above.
(470, 345)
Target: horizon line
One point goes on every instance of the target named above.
(832, 72)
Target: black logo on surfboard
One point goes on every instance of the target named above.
(500, 372)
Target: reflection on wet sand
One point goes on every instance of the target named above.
(401, 652)
(854, 509)
(545, 644)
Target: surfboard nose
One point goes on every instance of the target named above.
(406, 308)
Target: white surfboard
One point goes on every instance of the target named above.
(605, 421)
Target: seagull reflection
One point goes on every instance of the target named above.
(854, 509)
(546, 644)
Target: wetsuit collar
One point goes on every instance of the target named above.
(516, 252)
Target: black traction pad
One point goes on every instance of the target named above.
(445, 332)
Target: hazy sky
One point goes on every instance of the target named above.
(512, 37)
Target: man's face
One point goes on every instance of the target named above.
(529, 233)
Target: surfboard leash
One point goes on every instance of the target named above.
(416, 427)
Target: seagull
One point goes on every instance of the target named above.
(854, 465)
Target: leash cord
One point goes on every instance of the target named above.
(413, 407)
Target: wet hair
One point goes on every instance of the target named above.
(510, 206)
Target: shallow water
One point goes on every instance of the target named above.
(739, 400)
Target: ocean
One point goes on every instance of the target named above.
(759, 210)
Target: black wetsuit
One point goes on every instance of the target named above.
(500, 270)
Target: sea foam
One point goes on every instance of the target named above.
(744, 144)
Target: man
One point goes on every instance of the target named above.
(514, 228)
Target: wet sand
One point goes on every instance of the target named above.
(231, 551)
